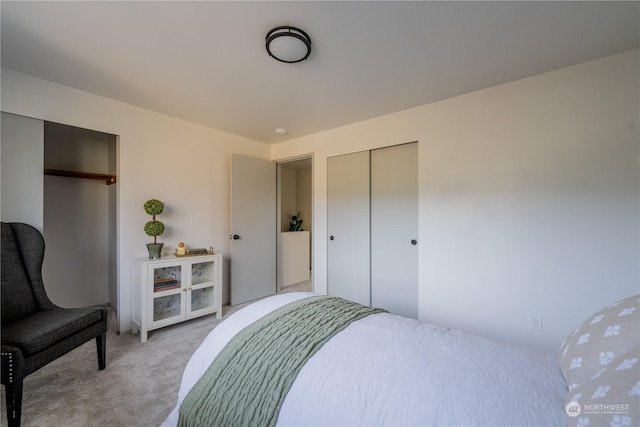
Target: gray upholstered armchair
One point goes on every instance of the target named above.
(34, 330)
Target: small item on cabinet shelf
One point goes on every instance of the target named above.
(193, 252)
(159, 286)
(197, 251)
(165, 284)
(181, 250)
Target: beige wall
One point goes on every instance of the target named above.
(529, 191)
(21, 153)
(288, 197)
(184, 164)
(529, 198)
(295, 187)
(303, 197)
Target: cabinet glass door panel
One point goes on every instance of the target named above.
(202, 299)
(202, 272)
(167, 278)
(167, 307)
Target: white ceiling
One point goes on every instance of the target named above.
(206, 62)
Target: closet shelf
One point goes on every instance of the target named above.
(108, 178)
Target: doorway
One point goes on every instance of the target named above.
(79, 222)
(277, 191)
(295, 224)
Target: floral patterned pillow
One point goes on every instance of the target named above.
(611, 397)
(598, 342)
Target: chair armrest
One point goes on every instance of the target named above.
(12, 364)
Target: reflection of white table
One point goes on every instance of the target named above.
(293, 258)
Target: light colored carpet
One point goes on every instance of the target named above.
(138, 388)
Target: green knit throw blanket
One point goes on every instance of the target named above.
(249, 379)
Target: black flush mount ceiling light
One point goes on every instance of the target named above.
(288, 44)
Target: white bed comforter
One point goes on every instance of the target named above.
(390, 370)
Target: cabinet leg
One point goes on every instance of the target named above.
(219, 314)
(143, 335)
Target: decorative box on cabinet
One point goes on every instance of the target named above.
(174, 289)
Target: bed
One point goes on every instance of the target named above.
(383, 369)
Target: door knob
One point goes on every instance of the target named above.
(330, 237)
(414, 242)
(234, 237)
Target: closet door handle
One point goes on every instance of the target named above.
(330, 237)
(414, 242)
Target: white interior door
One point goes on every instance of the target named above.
(253, 229)
(394, 229)
(348, 254)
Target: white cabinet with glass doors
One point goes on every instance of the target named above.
(174, 289)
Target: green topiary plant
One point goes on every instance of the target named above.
(154, 227)
(296, 223)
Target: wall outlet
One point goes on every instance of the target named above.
(535, 322)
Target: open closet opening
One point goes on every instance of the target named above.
(295, 210)
(79, 223)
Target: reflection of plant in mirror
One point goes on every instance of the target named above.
(296, 223)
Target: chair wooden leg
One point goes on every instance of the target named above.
(13, 396)
(101, 346)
